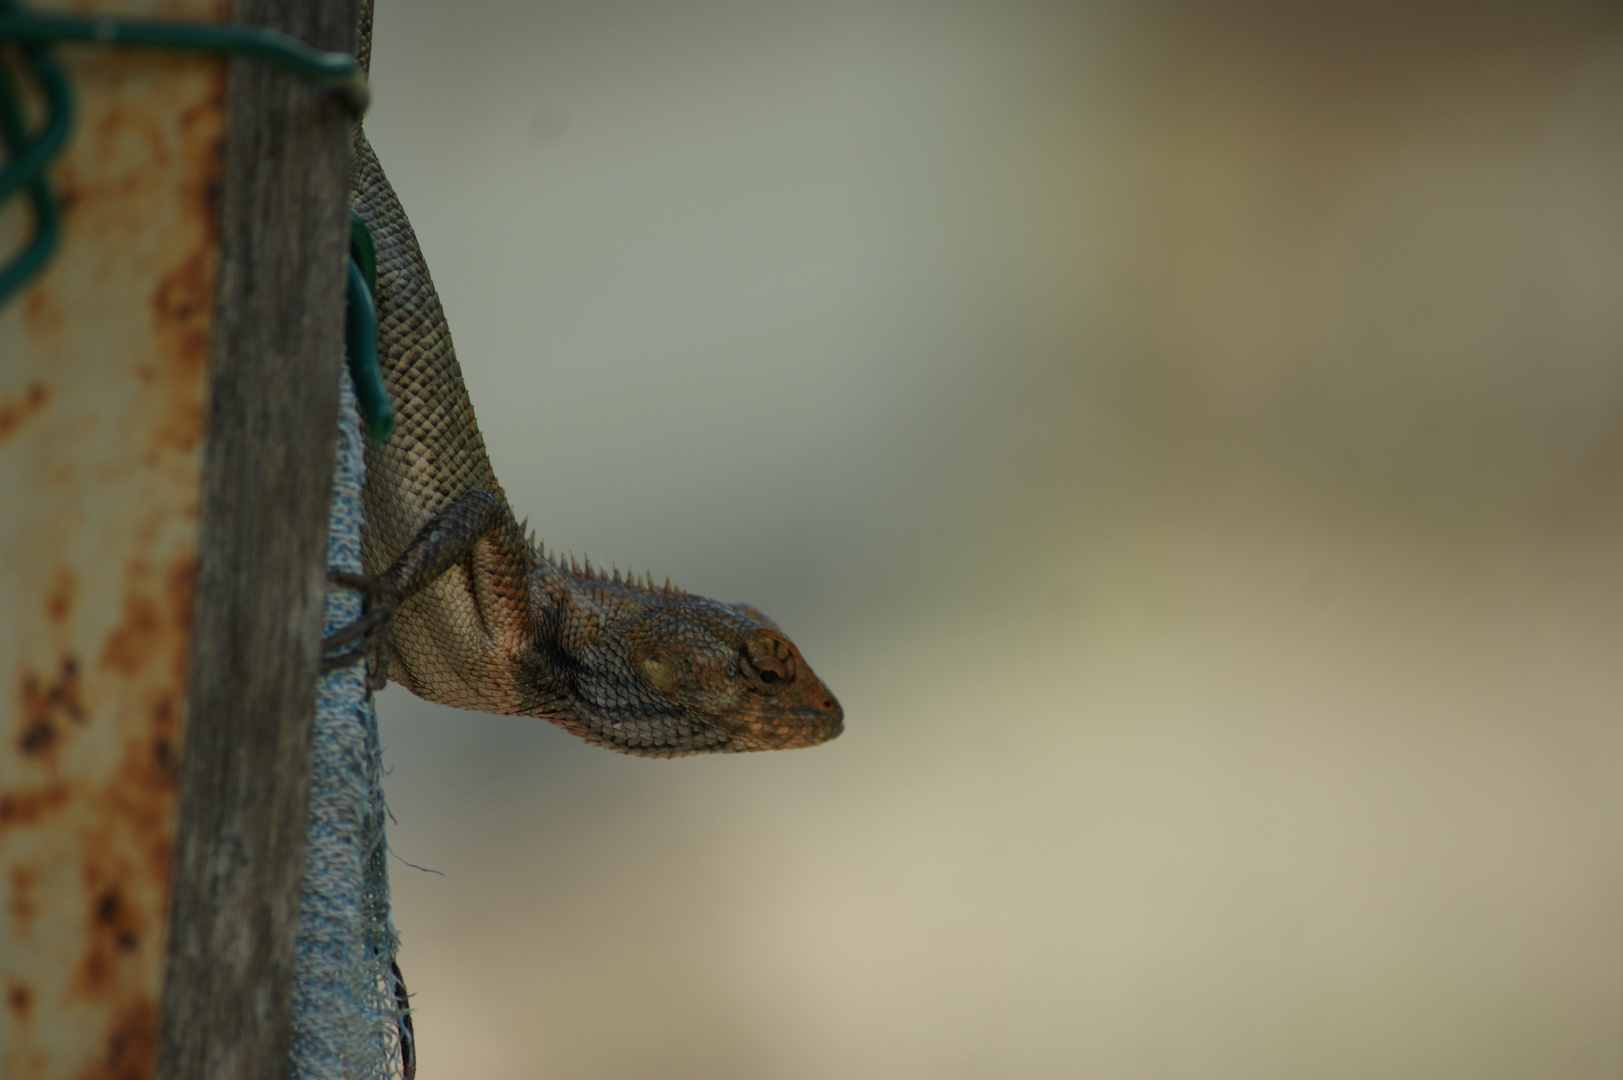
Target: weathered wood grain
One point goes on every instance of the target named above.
(278, 340)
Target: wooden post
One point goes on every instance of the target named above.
(267, 463)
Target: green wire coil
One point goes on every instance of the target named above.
(335, 69)
(362, 332)
(29, 154)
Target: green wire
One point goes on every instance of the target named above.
(361, 331)
(28, 156)
(362, 250)
(27, 166)
(262, 43)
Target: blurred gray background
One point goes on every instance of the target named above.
(1187, 437)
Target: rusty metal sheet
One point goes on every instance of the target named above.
(102, 380)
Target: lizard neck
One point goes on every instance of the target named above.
(585, 624)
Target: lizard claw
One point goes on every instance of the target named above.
(440, 543)
(365, 635)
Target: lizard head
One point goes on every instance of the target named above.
(660, 673)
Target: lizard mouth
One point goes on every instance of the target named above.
(816, 719)
(781, 729)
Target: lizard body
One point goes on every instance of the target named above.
(478, 617)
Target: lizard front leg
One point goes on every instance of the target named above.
(435, 549)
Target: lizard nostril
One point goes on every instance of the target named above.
(828, 704)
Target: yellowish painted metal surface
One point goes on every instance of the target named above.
(102, 380)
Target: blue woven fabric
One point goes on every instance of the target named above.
(345, 1017)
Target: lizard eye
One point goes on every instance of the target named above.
(769, 661)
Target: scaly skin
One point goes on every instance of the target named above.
(480, 618)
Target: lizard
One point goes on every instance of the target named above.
(464, 609)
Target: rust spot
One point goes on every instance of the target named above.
(165, 721)
(114, 919)
(140, 799)
(27, 807)
(179, 587)
(182, 309)
(195, 112)
(45, 705)
(182, 425)
(183, 293)
(204, 191)
(131, 1045)
(14, 414)
(210, 197)
(211, 155)
(59, 597)
(163, 717)
(23, 905)
(115, 931)
(97, 971)
(42, 314)
(69, 185)
(182, 304)
(19, 999)
(37, 739)
(135, 639)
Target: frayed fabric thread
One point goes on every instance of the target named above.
(347, 1001)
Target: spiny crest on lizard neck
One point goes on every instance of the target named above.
(651, 670)
(585, 572)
